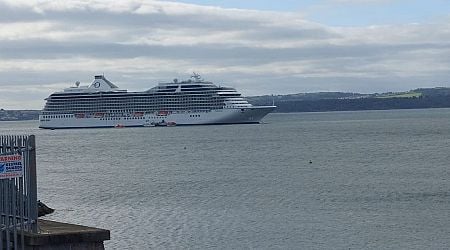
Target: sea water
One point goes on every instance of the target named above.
(338, 180)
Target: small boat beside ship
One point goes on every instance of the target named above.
(160, 124)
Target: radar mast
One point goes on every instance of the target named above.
(196, 77)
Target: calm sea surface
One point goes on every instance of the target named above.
(378, 179)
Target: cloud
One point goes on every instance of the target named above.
(356, 2)
(46, 45)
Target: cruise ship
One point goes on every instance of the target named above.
(190, 102)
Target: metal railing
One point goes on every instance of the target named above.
(18, 190)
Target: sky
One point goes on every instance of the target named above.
(259, 47)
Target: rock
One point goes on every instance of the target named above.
(44, 209)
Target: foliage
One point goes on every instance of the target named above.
(336, 101)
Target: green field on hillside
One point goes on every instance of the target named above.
(400, 95)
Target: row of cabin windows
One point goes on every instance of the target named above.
(68, 116)
(158, 94)
(186, 103)
(130, 106)
(81, 109)
(183, 100)
(121, 118)
(56, 116)
(71, 105)
(171, 98)
(119, 114)
(135, 107)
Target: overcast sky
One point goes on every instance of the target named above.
(259, 47)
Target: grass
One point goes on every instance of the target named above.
(409, 94)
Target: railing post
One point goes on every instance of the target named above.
(31, 147)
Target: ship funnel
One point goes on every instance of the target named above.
(102, 84)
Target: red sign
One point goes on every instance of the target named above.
(11, 166)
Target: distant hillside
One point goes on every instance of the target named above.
(18, 115)
(338, 101)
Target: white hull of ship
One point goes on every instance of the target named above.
(224, 116)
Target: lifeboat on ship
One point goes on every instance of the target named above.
(162, 113)
(80, 115)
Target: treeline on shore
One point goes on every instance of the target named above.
(360, 104)
(321, 102)
(19, 115)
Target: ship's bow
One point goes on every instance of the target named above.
(257, 113)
